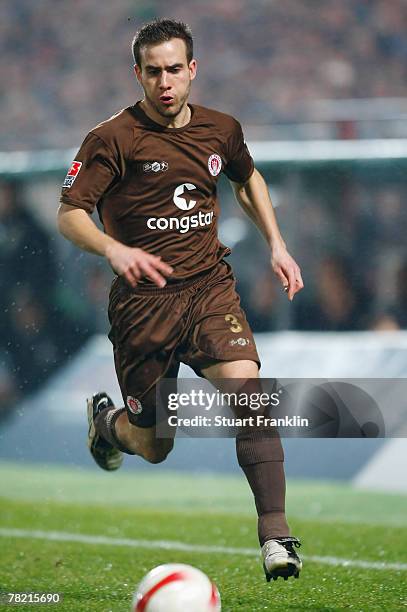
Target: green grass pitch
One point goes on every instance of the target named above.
(196, 510)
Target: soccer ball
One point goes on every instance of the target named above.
(176, 587)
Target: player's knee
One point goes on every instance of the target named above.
(156, 456)
(159, 452)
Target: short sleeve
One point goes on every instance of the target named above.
(240, 165)
(90, 175)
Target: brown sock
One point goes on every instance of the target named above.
(105, 427)
(261, 457)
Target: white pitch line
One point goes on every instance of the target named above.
(62, 536)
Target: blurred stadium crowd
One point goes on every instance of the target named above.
(39, 327)
(67, 66)
(347, 230)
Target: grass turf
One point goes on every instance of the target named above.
(331, 520)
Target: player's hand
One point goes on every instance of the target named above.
(133, 264)
(287, 271)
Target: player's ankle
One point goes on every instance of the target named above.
(123, 430)
(105, 425)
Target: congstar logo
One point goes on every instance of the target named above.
(183, 201)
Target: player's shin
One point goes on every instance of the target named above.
(261, 457)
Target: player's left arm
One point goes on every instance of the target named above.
(253, 196)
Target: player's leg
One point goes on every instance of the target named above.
(111, 434)
(139, 437)
(130, 429)
(261, 457)
(259, 451)
(222, 346)
(145, 326)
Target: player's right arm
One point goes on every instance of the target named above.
(131, 263)
(99, 165)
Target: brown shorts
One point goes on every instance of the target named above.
(198, 322)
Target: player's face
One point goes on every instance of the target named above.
(166, 76)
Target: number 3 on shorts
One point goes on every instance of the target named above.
(235, 326)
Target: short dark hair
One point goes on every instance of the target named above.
(159, 31)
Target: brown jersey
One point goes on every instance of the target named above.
(156, 187)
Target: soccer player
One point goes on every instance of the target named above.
(152, 171)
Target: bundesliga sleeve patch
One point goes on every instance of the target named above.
(72, 174)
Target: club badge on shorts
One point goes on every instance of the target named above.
(214, 164)
(134, 404)
(72, 174)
